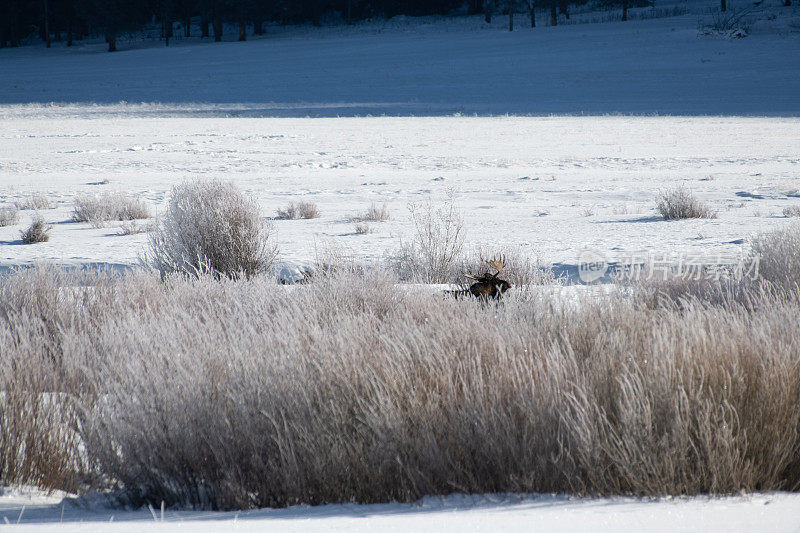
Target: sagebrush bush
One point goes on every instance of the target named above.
(38, 231)
(210, 226)
(791, 211)
(233, 394)
(437, 242)
(9, 216)
(133, 227)
(362, 228)
(34, 201)
(101, 208)
(732, 23)
(298, 210)
(376, 213)
(778, 255)
(680, 203)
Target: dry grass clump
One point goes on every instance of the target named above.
(133, 227)
(101, 208)
(38, 231)
(362, 228)
(376, 214)
(298, 210)
(210, 226)
(9, 216)
(34, 201)
(679, 202)
(791, 211)
(238, 394)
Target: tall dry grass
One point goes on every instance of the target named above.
(238, 394)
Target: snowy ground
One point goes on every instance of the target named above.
(549, 186)
(762, 512)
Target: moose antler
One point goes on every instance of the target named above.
(497, 263)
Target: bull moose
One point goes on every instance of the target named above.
(488, 286)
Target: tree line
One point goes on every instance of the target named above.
(70, 20)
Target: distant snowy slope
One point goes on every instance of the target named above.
(653, 66)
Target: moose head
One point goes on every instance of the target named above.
(489, 285)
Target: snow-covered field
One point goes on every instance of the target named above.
(761, 512)
(717, 116)
(548, 186)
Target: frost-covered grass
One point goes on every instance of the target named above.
(133, 227)
(33, 202)
(242, 394)
(298, 210)
(791, 211)
(9, 215)
(376, 213)
(779, 255)
(98, 209)
(680, 203)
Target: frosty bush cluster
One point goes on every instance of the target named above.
(211, 226)
(680, 203)
(298, 210)
(98, 209)
(38, 231)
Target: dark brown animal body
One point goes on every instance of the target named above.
(488, 285)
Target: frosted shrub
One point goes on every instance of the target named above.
(298, 210)
(437, 242)
(100, 208)
(376, 214)
(680, 203)
(362, 228)
(778, 254)
(287, 213)
(9, 216)
(38, 231)
(791, 211)
(34, 201)
(732, 23)
(211, 226)
(308, 210)
(133, 227)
